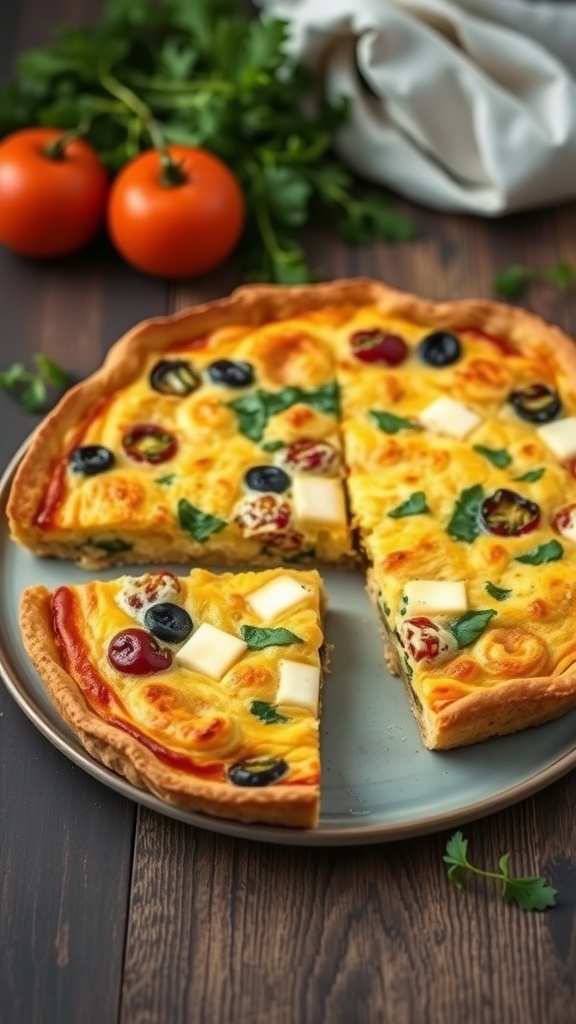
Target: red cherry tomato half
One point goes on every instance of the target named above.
(137, 653)
(425, 640)
(376, 346)
(564, 521)
(148, 443)
(176, 223)
(310, 456)
(507, 514)
(52, 197)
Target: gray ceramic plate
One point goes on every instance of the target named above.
(378, 782)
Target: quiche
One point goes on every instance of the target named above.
(203, 689)
(432, 445)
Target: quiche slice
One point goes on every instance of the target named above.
(202, 689)
(462, 485)
(210, 437)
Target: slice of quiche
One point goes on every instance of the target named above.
(202, 689)
(210, 437)
(461, 448)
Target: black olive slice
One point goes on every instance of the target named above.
(507, 514)
(174, 377)
(232, 373)
(90, 459)
(537, 403)
(168, 621)
(258, 771)
(440, 349)
(267, 478)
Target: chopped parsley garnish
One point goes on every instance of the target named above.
(415, 505)
(258, 637)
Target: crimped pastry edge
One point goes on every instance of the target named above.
(296, 806)
(249, 304)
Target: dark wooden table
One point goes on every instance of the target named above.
(110, 912)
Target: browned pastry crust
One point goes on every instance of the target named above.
(479, 693)
(253, 305)
(287, 804)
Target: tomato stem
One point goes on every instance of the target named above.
(171, 172)
(56, 148)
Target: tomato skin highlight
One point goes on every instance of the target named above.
(49, 206)
(176, 230)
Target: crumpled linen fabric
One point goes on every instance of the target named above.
(459, 105)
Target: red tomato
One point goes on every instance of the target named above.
(50, 205)
(176, 229)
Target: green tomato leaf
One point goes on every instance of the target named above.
(470, 626)
(201, 525)
(552, 551)
(464, 524)
(259, 637)
(391, 424)
(499, 457)
(267, 712)
(415, 505)
(498, 593)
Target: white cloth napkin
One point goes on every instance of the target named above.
(460, 105)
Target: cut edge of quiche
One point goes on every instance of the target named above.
(510, 706)
(224, 719)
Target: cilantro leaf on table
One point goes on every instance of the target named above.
(212, 76)
(512, 282)
(561, 274)
(36, 390)
(529, 893)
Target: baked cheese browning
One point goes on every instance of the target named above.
(467, 514)
(231, 432)
(188, 681)
(207, 456)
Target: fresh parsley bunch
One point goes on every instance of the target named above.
(211, 76)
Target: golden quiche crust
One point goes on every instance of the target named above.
(147, 728)
(503, 657)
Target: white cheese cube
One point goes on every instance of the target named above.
(318, 500)
(299, 685)
(425, 597)
(447, 416)
(210, 651)
(560, 437)
(276, 597)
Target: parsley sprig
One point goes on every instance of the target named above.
(512, 282)
(203, 73)
(529, 892)
(35, 389)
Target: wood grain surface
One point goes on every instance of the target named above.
(112, 914)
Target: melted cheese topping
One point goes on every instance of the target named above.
(414, 491)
